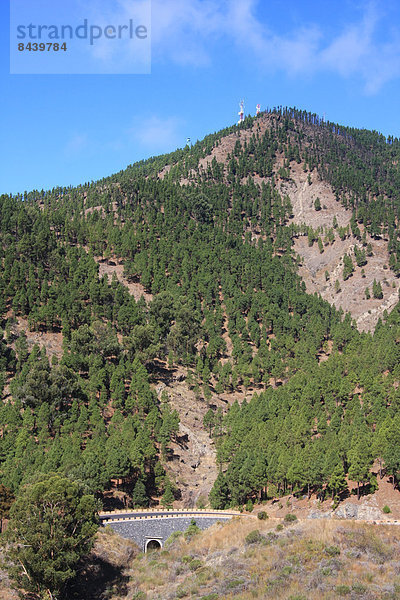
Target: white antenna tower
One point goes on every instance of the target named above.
(241, 112)
(258, 109)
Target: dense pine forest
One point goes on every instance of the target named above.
(211, 243)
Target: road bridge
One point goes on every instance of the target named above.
(151, 528)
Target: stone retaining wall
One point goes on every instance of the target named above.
(143, 530)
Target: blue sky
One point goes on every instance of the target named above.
(342, 59)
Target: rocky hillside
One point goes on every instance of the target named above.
(183, 320)
(320, 267)
(249, 558)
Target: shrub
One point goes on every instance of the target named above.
(290, 518)
(253, 537)
(343, 590)
(279, 527)
(186, 559)
(332, 550)
(262, 515)
(370, 543)
(210, 597)
(195, 564)
(192, 530)
(249, 506)
(174, 536)
(234, 583)
(358, 588)
(386, 509)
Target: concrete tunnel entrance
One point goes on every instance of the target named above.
(152, 544)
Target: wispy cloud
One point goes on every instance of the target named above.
(156, 133)
(123, 53)
(357, 51)
(184, 32)
(191, 33)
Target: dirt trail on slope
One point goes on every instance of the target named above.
(193, 465)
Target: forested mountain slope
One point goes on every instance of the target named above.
(185, 268)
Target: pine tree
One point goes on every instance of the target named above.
(168, 496)
(139, 495)
(219, 495)
(209, 420)
(337, 481)
(360, 457)
(377, 290)
(348, 267)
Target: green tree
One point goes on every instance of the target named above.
(337, 481)
(377, 290)
(360, 457)
(168, 496)
(388, 443)
(219, 494)
(139, 495)
(348, 267)
(209, 420)
(52, 526)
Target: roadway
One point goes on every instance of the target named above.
(133, 514)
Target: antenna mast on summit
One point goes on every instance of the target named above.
(241, 112)
(258, 109)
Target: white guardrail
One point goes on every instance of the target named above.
(131, 515)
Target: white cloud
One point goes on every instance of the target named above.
(184, 32)
(357, 52)
(188, 32)
(122, 54)
(183, 29)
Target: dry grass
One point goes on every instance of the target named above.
(306, 560)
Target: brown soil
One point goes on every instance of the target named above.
(302, 507)
(117, 266)
(51, 341)
(351, 298)
(192, 465)
(225, 146)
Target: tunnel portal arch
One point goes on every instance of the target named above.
(152, 544)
